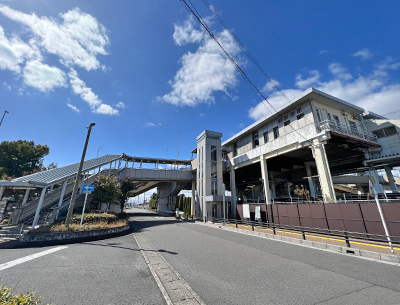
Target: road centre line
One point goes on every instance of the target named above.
(30, 257)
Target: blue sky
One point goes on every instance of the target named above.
(144, 70)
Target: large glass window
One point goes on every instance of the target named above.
(256, 142)
(235, 149)
(266, 137)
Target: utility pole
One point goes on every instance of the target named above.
(78, 175)
(5, 111)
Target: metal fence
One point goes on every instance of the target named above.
(362, 219)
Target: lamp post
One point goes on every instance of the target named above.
(78, 175)
(98, 151)
(5, 111)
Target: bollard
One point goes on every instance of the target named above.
(347, 239)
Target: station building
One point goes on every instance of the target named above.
(316, 142)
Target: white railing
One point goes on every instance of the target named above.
(333, 126)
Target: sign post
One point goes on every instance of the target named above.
(87, 189)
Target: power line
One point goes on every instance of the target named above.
(242, 73)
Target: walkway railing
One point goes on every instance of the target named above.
(333, 126)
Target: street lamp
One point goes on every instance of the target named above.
(98, 151)
(5, 111)
(78, 175)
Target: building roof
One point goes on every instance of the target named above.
(309, 94)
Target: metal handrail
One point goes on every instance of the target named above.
(330, 125)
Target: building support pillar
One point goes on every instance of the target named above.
(273, 191)
(39, 207)
(311, 184)
(109, 171)
(324, 173)
(193, 203)
(264, 175)
(63, 192)
(233, 191)
(391, 180)
(373, 174)
(26, 197)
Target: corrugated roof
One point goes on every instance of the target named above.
(60, 174)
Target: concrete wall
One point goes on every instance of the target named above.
(153, 174)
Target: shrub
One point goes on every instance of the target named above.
(8, 298)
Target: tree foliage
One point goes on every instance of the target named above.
(153, 201)
(125, 186)
(21, 157)
(106, 190)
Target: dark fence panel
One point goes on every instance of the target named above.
(352, 218)
(372, 219)
(391, 212)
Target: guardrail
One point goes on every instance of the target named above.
(370, 239)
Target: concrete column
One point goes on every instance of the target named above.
(141, 162)
(193, 203)
(375, 181)
(273, 191)
(62, 193)
(391, 180)
(2, 188)
(264, 175)
(233, 191)
(288, 189)
(39, 207)
(109, 171)
(324, 173)
(119, 164)
(51, 187)
(126, 163)
(25, 197)
(311, 184)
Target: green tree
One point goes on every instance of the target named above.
(125, 186)
(153, 201)
(21, 157)
(106, 190)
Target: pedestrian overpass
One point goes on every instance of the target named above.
(170, 176)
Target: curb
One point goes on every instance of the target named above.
(308, 243)
(64, 236)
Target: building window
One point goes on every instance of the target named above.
(353, 126)
(214, 186)
(276, 132)
(266, 137)
(329, 117)
(285, 117)
(336, 118)
(255, 139)
(299, 110)
(213, 153)
(300, 116)
(385, 132)
(280, 120)
(235, 149)
(292, 113)
(318, 115)
(286, 123)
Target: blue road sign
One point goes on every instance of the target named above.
(88, 187)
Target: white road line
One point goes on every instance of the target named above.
(29, 257)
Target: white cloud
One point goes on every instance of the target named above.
(79, 87)
(7, 86)
(339, 71)
(42, 76)
(77, 40)
(372, 92)
(364, 54)
(204, 72)
(323, 51)
(120, 105)
(186, 33)
(270, 86)
(14, 52)
(305, 83)
(150, 124)
(73, 107)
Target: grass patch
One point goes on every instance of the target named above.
(91, 221)
(8, 298)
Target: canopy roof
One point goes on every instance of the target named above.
(56, 175)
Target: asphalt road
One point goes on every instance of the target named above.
(222, 267)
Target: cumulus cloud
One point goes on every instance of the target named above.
(42, 76)
(372, 92)
(305, 83)
(77, 40)
(120, 105)
(79, 87)
(204, 72)
(323, 51)
(14, 52)
(150, 124)
(364, 54)
(73, 108)
(270, 86)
